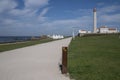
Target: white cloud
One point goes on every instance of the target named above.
(41, 16)
(81, 22)
(73, 22)
(7, 5)
(44, 11)
(18, 12)
(9, 21)
(101, 4)
(108, 15)
(27, 14)
(110, 18)
(108, 9)
(31, 7)
(35, 3)
(80, 12)
(105, 15)
(27, 19)
(61, 23)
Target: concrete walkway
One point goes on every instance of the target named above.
(39, 62)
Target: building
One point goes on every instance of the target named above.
(105, 29)
(56, 36)
(82, 31)
(113, 30)
(102, 29)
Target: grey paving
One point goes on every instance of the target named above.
(39, 62)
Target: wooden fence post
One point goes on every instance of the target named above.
(64, 60)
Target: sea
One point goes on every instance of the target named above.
(12, 39)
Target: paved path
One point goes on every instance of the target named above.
(39, 62)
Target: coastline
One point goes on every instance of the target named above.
(11, 46)
(8, 43)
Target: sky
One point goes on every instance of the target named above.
(48, 17)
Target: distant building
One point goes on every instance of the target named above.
(113, 30)
(89, 32)
(82, 32)
(56, 36)
(105, 29)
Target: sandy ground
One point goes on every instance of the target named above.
(39, 62)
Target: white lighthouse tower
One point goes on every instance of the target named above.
(94, 21)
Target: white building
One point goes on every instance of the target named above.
(105, 29)
(56, 36)
(84, 31)
(113, 30)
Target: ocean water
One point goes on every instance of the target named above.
(11, 39)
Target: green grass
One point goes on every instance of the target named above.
(6, 47)
(95, 58)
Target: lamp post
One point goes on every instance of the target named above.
(119, 32)
(73, 34)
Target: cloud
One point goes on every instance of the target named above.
(43, 12)
(81, 12)
(18, 12)
(83, 22)
(101, 4)
(108, 9)
(32, 18)
(109, 15)
(24, 21)
(30, 9)
(66, 26)
(110, 18)
(27, 14)
(105, 15)
(31, 6)
(8, 21)
(6, 5)
(35, 3)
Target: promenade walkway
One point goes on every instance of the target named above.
(38, 62)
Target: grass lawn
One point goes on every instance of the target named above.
(6, 47)
(95, 58)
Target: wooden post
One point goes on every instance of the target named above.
(64, 60)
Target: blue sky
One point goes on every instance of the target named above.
(38, 17)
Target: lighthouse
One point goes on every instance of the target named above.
(94, 21)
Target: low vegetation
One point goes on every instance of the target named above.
(95, 58)
(6, 47)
